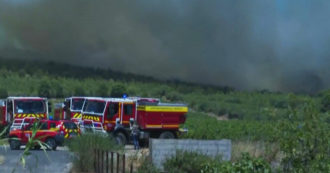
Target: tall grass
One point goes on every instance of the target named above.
(83, 147)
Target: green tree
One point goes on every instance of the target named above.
(102, 90)
(58, 90)
(118, 90)
(3, 93)
(44, 89)
(79, 91)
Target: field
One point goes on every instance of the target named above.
(298, 124)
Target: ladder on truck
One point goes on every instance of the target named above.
(20, 123)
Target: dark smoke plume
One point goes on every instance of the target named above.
(278, 45)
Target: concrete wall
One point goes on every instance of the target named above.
(161, 149)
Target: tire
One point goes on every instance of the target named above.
(121, 138)
(167, 135)
(14, 144)
(51, 143)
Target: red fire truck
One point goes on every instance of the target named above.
(70, 109)
(155, 119)
(21, 131)
(14, 108)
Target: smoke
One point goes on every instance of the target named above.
(277, 45)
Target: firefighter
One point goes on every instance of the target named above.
(135, 135)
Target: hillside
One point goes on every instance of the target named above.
(56, 80)
(256, 121)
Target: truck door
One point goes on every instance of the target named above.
(66, 109)
(2, 112)
(128, 113)
(10, 111)
(112, 113)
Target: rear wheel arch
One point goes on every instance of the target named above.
(121, 136)
(14, 143)
(51, 142)
(167, 135)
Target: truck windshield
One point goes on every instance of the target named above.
(77, 104)
(30, 106)
(94, 106)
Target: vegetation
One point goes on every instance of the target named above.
(305, 140)
(191, 162)
(84, 146)
(201, 126)
(295, 125)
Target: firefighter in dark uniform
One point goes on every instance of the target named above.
(135, 135)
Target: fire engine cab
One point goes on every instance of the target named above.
(115, 115)
(70, 109)
(14, 108)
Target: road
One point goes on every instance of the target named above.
(38, 162)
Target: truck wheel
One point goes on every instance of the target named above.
(51, 143)
(120, 138)
(14, 144)
(166, 135)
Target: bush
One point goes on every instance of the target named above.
(84, 145)
(305, 141)
(189, 162)
(192, 162)
(325, 102)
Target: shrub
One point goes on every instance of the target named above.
(192, 162)
(83, 146)
(325, 102)
(305, 141)
(246, 164)
(183, 161)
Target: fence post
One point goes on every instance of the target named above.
(117, 162)
(107, 162)
(98, 160)
(111, 162)
(131, 171)
(123, 163)
(102, 160)
(95, 160)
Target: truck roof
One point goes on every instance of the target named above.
(140, 100)
(21, 97)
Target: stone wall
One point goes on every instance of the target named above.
(161, 149)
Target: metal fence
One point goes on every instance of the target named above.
(111, 162)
